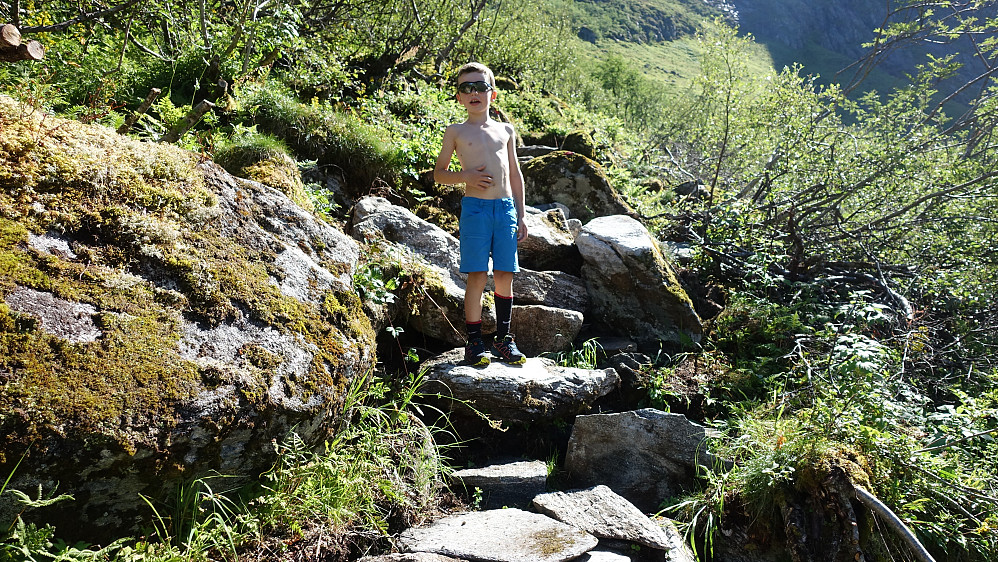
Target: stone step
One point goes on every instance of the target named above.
(510, 484)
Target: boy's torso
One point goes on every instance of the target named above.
(485, 144)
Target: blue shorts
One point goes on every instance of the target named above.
(488, 228)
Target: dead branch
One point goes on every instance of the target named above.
(131, 119)
(895, 523)
(193, 117)
(84, 17)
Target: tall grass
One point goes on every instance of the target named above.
(380, 472)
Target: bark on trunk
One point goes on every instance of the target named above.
(32, 50)
(12, 49)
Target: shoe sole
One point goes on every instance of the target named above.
(519, 361)
(483, 362)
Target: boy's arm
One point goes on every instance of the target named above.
(516, 184)
(442, 174)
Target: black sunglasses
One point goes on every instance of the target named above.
(468, 87)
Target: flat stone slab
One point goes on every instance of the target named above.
(500, 535)
(410, 557)
(511, 484)
(605, 514)
(537, 390)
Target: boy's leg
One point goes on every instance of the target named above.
(504, 301)
(474, 352)
(473, 296)
(503, 345)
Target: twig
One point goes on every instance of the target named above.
(955, 441)
(895, 523)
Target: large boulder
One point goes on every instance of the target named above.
(644, 455)
(160, 320)
(632, 286)
(575, 181)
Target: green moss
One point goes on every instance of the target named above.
(132, 211)
(260, 357)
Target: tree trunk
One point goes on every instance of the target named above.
(11, 48)
(10, 37)
(32, 50)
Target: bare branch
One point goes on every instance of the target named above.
(82, 18)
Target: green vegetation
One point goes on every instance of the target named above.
(379, 474)
(852, 241)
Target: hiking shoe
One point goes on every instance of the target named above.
(474, 353)
(505, 350)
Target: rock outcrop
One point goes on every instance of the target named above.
(575, 181)
(159, 319)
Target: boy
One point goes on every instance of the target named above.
(491, 210)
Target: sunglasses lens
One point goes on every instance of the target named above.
(468, 87)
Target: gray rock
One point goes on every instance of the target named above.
(511, 484)
(604, 514)
(377, 217)
(550, 244)
(632, 287)
(551, 288)
(540, 329)
(603, 556)
(644, 455)
(502, 535)
(679, 550)
(538, 389)
(68, 320)
(410, 557)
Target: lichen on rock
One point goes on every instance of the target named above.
(212, 316)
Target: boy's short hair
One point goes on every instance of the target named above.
(476, 67)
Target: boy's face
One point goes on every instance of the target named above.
(475, 101)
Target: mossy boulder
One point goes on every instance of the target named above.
(575, 181)
(268, 163)
(582, 143)
(160, 319)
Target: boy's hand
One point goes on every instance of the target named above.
(479, 178)
(521, 231)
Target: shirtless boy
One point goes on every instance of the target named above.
(491, 210)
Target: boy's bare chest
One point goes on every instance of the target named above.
(483, 141)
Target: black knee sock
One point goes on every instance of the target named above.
(504, 313)
(474, 330)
